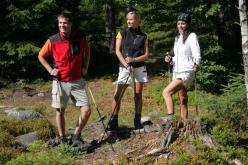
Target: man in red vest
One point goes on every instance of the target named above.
(71, 53)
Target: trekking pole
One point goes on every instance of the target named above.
(94, 102)
(196, 103)
(119, 99)
(170, 54)
(99, 114)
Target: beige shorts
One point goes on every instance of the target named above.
(188, 78)
(125, 77)
(62, 91)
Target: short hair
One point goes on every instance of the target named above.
(65, 15)
(136, 15)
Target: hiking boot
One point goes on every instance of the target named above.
(57, 141)
(113, 123)
(79, 143)
(137, 122)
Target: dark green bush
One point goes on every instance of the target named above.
(211, 76)
(225, 135)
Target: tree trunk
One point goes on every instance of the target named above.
(244, 39)
(110, 25)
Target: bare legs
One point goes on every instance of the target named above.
(119, 91)
(83, 118)
(60, 121)
(183, 103)
(176, 86)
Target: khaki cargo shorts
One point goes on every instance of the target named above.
(62, 91)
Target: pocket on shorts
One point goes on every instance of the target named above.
(54, 91)
(54, 88)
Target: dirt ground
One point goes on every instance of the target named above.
(126, 144)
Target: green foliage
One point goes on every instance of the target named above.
(225, 135)
(7, 140)
(27, 24)
(237, 153)
(209, 121)
(231, 107)
(50, 157)
(66, 150)
(182, 157)
(215, 9)
(7, 153)
(40, 109)
(14, 127)
(43, 128)
(36, 146)
(204, 155)
(155, 91)
(10, 129)
(211, 76)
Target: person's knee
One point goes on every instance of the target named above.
(166, 93)
(86, 110)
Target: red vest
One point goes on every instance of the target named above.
(68, 56)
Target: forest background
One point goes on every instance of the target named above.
(26, 25)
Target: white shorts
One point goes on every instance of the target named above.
(125, 77)
(61, 91)
(187, 77)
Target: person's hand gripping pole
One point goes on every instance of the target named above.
(168, 59)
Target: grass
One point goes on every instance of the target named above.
(102, 89)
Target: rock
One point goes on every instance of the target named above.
(235, 162)
(10, 110)
(26, 139)
(41, 94)
(23, 115)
